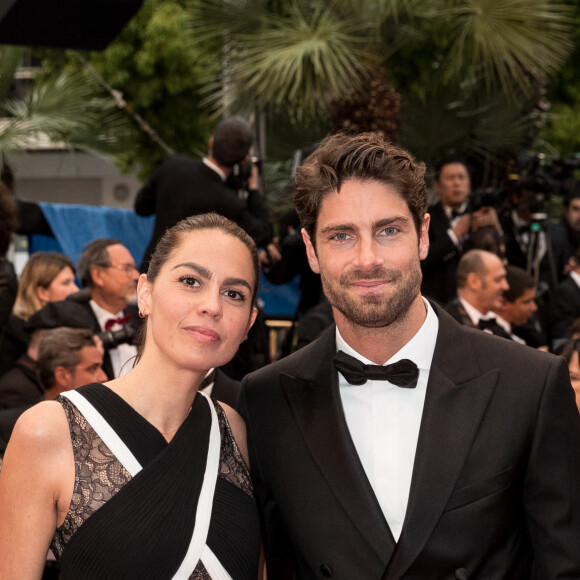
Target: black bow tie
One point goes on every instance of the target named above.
(403, 373)
(493, 326)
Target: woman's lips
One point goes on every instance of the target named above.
(203, 334)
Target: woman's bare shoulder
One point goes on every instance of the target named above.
(43, 429)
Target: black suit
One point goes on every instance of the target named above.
(181, 187)
(496, 478)
(564, 308)
(226, 389)
(440, 265)
(83, 298)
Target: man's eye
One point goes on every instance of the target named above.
(340, 236)
(390, 231)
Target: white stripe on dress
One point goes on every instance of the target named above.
(204, 507)
(105, 432)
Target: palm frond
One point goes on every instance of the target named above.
(515, 43)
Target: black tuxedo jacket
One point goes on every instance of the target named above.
(181, 187)
(440, 265)
(226, 389)
(564, 308)
(83, 298)
(496, 479)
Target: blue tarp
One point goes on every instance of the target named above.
(74, 226)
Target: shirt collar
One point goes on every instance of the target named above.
(448, 210)
(103, 315)
(419, 349)
(212, 165)
(576, 277)
(474, 313)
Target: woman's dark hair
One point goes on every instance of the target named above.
(567, 349)
(172, 239)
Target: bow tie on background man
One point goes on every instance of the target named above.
(491, 325)
(121, 320)
(403, 373)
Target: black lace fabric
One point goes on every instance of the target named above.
(99, 475)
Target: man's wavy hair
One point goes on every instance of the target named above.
(366, 157)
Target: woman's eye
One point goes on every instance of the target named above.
(234, 295)
(189, 281)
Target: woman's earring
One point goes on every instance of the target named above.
(141, 313)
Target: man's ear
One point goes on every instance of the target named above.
(473, 281)
(62, 378)
(144, 295)
(310, 252)
(96, 274)
(424, 237)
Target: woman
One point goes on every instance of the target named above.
(46, 277)
(123, 498)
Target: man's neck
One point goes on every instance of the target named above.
(110, 305)
(225, 170)
(472, 301)
(380, 344)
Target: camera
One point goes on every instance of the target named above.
(113, 338)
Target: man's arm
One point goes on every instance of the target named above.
(552, 482)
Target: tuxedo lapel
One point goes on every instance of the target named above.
(456, 401)
(315, 402)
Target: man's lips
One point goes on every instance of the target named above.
(203, 334)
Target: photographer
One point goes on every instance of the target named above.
(452, 219)
(182, 187)
(532, 242)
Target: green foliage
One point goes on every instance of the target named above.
(152, 64)
(63, 108)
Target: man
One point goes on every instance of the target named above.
(107, 270)
(452, 220)
(564, 307)
(533, 242)
(472, 471)
(450, 224)
(67, 358)
(481, 284)
(571, 223)
(516, 314)
(182, 186)
(21, 386)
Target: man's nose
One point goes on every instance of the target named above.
(368, 255)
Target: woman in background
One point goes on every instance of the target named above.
(46, 277)
(155, 483)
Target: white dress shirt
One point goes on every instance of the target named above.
(122, 355)
(384, 422)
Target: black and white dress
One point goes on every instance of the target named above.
(146, 508)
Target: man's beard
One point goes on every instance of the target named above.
(377, 310)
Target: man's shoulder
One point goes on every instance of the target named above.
(298, 364)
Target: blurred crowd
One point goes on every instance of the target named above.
(496, 262)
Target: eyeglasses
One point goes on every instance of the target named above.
(127, 268)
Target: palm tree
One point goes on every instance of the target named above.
(474, 70)
(66, 108)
